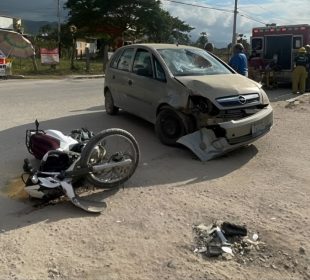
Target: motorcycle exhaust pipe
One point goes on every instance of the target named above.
(108, 165)
(95, 168)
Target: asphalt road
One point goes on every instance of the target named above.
(63, 105)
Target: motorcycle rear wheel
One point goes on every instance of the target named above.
(110, 146)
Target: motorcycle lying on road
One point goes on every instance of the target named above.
(105, 160)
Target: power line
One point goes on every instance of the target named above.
(285, 20)
(218, 9)
(259, 6)
(251, 18)
(200, 6)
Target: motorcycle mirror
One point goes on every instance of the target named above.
(37, 125)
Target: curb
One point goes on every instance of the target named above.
(77, 77)
(87, 77)
(15, 77)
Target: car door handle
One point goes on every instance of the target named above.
(130, 82)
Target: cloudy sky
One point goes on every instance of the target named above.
(215, 17)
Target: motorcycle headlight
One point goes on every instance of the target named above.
(34, 179)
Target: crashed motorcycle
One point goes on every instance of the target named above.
(105, 160)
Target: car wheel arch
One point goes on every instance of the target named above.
(188, 119)
(162, 107)
(106, 89)
(109, 104)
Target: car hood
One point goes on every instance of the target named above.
(214, 86)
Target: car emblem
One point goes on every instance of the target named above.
(242, 99)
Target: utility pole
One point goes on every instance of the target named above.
(234, 36)
(58, 29)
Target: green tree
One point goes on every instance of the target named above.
(108, 20)
(143, 17)
(202, 40)
(161, 27)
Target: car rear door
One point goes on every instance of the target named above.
(118, 76)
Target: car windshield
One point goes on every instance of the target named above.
(192, 62)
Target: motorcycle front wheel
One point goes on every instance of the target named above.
(114, 148)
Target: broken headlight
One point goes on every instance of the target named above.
(203, 105)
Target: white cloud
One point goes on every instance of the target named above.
(219, 24)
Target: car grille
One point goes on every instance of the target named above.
(236, 114)
(239, 100)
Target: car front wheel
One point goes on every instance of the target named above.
(110, 108)
(170, 126)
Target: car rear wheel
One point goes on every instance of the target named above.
(110, 108)
(170, 126)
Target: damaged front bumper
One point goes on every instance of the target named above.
(206, 145)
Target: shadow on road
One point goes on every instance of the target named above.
(159, 164)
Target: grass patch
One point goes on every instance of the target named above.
(23, 66)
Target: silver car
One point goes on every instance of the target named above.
(191, 96)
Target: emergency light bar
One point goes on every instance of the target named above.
(278, 29)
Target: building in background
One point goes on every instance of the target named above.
(83, 44)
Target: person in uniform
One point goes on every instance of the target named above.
(307, 47)
(300, 71)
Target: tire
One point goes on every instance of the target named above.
(110, 108)
(170, 126)
(103, 148)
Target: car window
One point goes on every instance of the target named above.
(125, 59)
(142, 64)
(159, 71)
(114, 60)
(192, 62)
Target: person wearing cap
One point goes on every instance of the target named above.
(300, 71)
(239, 61)
(307, 47)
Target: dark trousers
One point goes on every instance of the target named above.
(308, 82)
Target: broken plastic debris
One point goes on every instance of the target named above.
(214, 249)
(213, 241)
(255, 237)
(202, 250)
(202, 227)
(221, 236)
(230, 229)
(227, 250)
